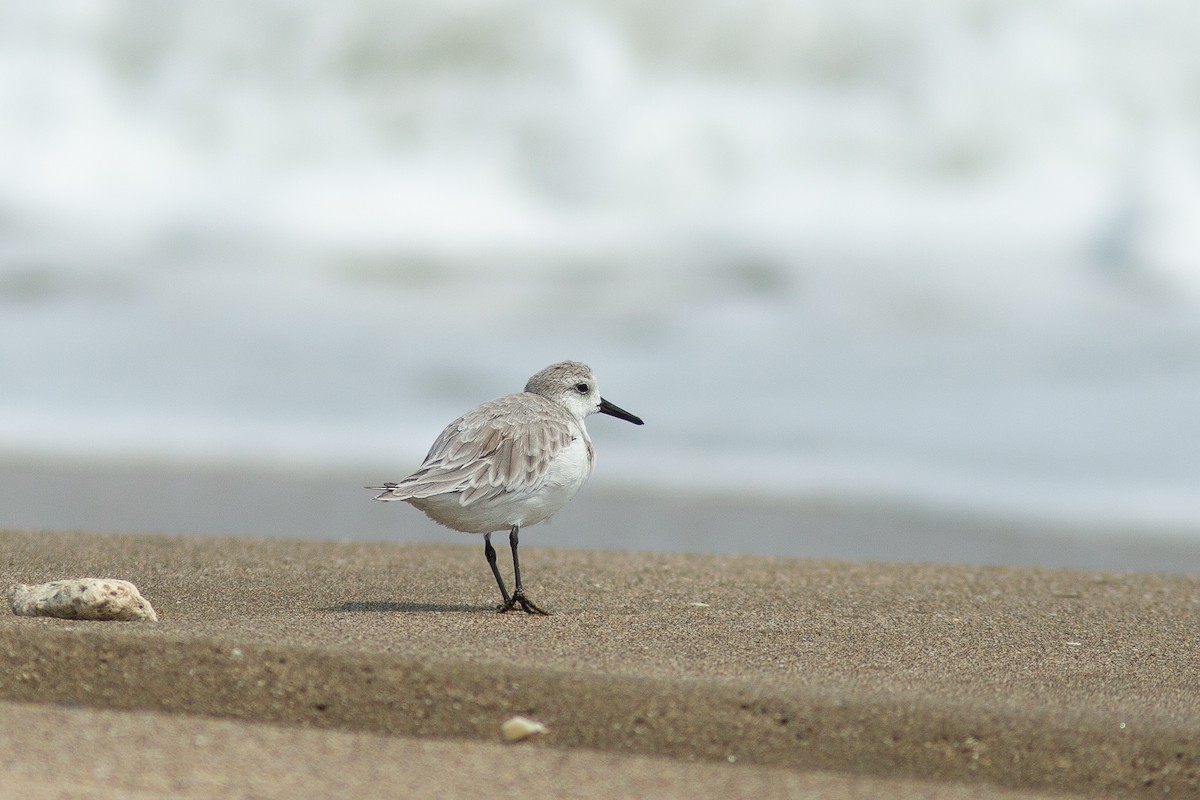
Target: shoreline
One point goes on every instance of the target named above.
(999, 679)
(149, 498)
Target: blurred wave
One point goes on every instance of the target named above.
(950, 254)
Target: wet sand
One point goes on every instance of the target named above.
(151, 497)
(380, 669)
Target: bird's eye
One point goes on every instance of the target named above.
(582, 388)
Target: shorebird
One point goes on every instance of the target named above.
(510, 463)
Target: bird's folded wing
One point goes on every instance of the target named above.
(491, 450)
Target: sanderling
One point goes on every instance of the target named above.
(510, 463)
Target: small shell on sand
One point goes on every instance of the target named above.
(519, 728)
(82, 598)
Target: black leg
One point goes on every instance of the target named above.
(513, 541)
(518, 596)
(490, 552)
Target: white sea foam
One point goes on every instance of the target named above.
(953, 254)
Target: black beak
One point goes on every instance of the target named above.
(620, 413)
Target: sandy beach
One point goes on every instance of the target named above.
(374, 669)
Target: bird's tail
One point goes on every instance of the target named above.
(389, 491)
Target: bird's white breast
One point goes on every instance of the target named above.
(569, 471)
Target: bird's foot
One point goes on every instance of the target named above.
(519, 599)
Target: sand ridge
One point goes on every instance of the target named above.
(1047, 680)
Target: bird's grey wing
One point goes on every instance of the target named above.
(502, 446)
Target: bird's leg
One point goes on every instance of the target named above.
(518, 596)
(490, 552)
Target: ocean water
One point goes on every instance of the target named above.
(943, 255)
